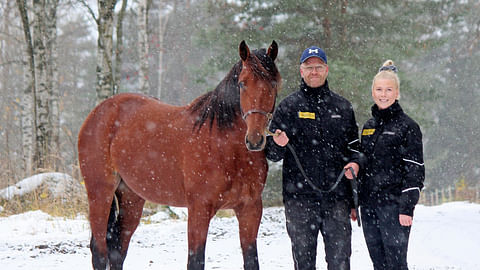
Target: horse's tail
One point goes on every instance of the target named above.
(114, 243)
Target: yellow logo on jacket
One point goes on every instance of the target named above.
(367, 132)
(306, 115)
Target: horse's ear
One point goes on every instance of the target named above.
(273, 50)
(243, 50)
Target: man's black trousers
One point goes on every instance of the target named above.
(305, 219)
(386, 239)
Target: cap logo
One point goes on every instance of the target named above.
(312, 50)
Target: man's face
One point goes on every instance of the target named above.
(314, 72)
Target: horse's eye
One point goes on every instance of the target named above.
(274, 84)
(241, 85)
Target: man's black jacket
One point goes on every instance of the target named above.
(322, 130)
(393, 170)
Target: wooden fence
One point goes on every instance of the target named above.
(449, 194)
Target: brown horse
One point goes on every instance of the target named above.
(205, 156)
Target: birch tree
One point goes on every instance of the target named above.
(53, 138)
(119, 48)
(10, 153)
(44, 51)
(143, 47)
(41, 90)
(163, 16)
(40, 102)
(104, 87)
(107, 82)
(28, 100)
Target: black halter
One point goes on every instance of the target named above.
(268, 115)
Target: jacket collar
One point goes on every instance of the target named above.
(318, 92)
(387, 114)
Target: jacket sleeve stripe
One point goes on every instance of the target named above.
(354, 141)
(412, 161)
(412, 188)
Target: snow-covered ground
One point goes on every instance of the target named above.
(443, 237)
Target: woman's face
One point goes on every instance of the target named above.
(384, 92)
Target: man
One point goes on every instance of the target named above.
(320, 129)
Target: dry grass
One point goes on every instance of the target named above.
(70, 207)
(225, 213)
(42, 199)
(76, 204)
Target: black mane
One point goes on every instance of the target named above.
(223, 103)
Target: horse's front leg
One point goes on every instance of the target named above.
(199, 216)
(249, 217)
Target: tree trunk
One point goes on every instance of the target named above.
(6, 128)
(40, 114)
(105, 83)
(118, 52)
(143, 49)
(326, 25)
(343, 14)
(162, 26)
(28, 101)
(53, 140)
(43, 128)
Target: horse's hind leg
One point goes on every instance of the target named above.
(122, 228)
(100, 191)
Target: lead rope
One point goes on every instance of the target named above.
(353, 182)
(310, 182)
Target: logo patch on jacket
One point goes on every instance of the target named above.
(367, 132)
(306, 115)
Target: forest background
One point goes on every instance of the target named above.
(59, 58)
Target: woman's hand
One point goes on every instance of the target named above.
(405, 220)
(280, 138)
(353, 214)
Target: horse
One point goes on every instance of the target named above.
(205, 156)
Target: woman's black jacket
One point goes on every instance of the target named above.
(322, 130)
(392, 170)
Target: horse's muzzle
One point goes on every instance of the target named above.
(256, 142)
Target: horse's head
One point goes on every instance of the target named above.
(259, 81)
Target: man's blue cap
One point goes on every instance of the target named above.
(313, 51)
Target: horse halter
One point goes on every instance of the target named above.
(268, 115)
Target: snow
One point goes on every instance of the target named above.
(59, 184)
(443, 237)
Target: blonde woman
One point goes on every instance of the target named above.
(391, 175)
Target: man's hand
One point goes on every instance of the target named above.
(405, 220)
(355, 168)
(280, 138)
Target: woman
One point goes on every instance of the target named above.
(392, 175)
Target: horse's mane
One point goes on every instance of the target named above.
(223, 103)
